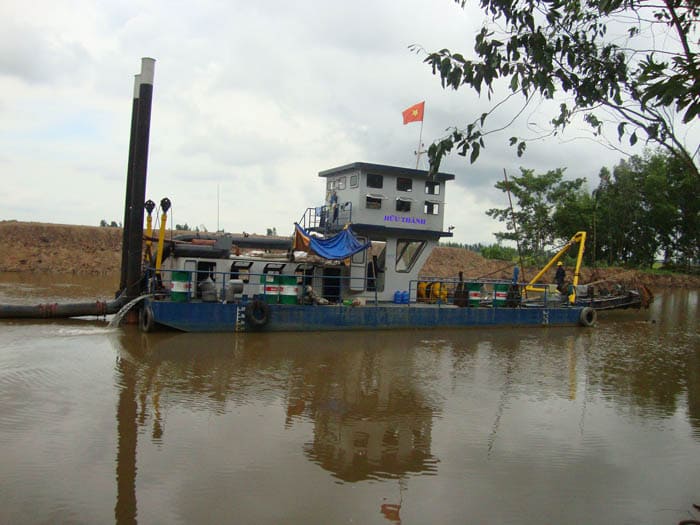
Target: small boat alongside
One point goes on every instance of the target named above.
(598, 295)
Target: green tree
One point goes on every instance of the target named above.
(685, 191)
(536, 200)
(672, 193)
(575, 51)
(498, 251)
(575, 212)
(647, 207)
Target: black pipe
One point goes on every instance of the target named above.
(55, 310)
(138, 188)
(261, 242)
(129, 183)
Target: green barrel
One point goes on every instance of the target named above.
(474, 290)
(289, 289)
(500, 294)
(271, 287)
(181, 287)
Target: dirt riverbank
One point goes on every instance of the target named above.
(93, 250)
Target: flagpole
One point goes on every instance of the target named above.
(420, 140)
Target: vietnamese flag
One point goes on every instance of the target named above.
(414, 113)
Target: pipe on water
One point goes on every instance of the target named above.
(64, 310)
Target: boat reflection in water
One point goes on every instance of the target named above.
(370, 404)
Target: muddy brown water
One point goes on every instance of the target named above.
(541, 425)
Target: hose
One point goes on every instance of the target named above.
(62, 310)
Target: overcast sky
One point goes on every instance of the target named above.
(254, 98)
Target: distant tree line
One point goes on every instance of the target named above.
(113, 224)
(492, 251)
(646, 208)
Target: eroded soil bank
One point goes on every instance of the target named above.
(93, 250)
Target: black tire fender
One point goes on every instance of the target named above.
(257, 313)
(588, 316)
(146, 322)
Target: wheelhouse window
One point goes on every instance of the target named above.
(354, 181)
(341, 183)
(375, 181)
(407, 252)
(373, 203)
(432, 188)
(431, 208)
(404, 184)
(403, 205)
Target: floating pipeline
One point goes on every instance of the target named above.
(62, 311)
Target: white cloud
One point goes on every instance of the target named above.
(253, 98)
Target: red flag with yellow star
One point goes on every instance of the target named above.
(414, 113)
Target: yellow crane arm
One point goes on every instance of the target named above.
(579, 237)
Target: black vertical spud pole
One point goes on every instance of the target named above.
(138, 187)
(129, 183)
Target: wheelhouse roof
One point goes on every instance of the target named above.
(383, 169)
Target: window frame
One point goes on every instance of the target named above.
(431, 208)
(372, 177)
(404, 180)
(402, 252)
(434, 185)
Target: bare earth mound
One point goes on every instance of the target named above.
(93, 250)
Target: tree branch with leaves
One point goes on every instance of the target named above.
(578, 50)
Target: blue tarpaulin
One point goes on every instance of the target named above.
(342, 245)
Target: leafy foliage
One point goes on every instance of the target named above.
(539, 48)
(536, 199)
(646, 207)
(491, 251)
(500, 252)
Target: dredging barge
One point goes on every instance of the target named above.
(352, 264)
(364, 248)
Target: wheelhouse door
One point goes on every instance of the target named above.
(358, 269)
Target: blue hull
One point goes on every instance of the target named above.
(232, 317)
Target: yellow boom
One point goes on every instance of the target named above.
(579, 237)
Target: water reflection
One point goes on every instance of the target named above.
(508, 426)
(35, 288)
(651, 365)
(369, 399)
(369, 403)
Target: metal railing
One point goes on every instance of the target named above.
(324, 218)
(211, 286)
(469, 293)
